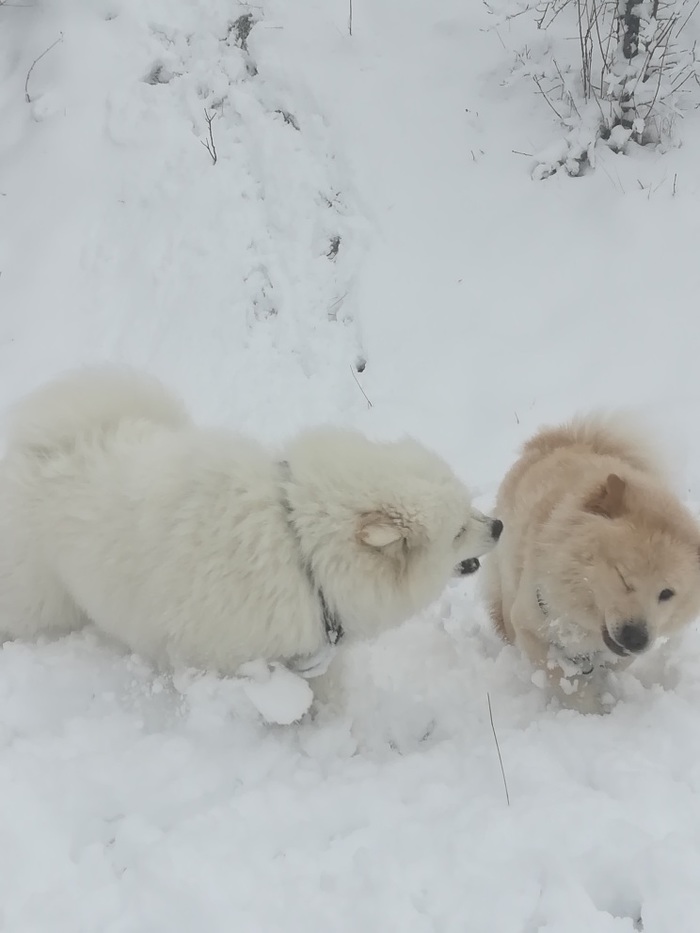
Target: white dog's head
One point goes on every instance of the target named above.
(383, 526)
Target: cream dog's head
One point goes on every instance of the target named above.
(628, 565)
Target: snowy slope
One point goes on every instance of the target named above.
(366, 203)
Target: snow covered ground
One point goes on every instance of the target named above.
(369, 201)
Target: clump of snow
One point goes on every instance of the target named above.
(280, 695)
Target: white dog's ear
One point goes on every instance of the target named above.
(378, 529)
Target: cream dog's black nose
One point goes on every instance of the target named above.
(496, 528)
(633, 636)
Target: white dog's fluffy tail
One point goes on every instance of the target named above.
(89, 401)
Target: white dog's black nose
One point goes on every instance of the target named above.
(496, 528)
(633, 636)
(470, 565)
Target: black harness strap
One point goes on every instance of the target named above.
(331, 620)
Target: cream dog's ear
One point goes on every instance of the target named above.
(609, 499)
(379, 529)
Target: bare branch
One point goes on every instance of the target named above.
(498, 747)
(352, 370)
(209, 144)
(34, 63)
(543, 93)
(633, 66)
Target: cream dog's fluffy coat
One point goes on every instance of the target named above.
(598, 557)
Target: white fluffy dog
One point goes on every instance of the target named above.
(196, 547)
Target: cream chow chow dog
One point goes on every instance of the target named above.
(197, 547)
(598, 558)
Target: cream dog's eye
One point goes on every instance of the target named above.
(665, 595)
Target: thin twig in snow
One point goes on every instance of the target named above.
(209, 143)
(35, 62)
(543, 93)
(352, 370)
(498, 749)
(333, 310)
(685, 21)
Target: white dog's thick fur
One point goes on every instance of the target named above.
(197, 547)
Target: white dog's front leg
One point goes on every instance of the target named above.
(316, 664)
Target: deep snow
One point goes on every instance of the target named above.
(367, 203)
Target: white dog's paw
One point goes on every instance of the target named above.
(316, 664)
(281, 696)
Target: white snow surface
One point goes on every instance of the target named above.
(370, 200)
